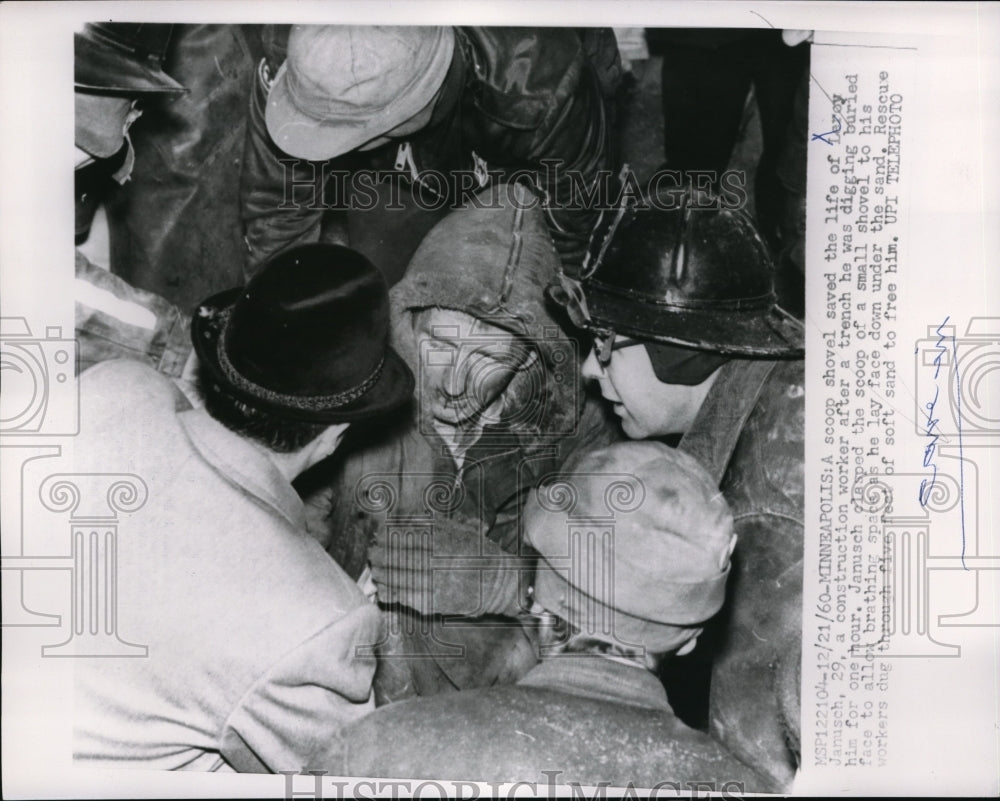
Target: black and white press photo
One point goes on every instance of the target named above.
(445, 403)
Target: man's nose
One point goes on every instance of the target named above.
(591, 369)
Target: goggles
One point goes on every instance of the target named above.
(671, 364)
(606, 342)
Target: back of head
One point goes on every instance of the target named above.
(305, 341)
(342, 86)
(635, 541)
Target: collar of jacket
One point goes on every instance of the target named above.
(243, 465)
(593, 676)
(717, 427)
(516, 76)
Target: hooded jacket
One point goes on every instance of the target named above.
(492, 261)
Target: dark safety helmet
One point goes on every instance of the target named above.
(123, 58)
(687, 276)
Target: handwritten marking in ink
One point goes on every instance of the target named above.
(961, 455)
(822, 136)
(930, 421)
(932, 429)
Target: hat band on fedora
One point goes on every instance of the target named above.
(308, 403)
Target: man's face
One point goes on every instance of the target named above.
(465, 364)
(647, 406)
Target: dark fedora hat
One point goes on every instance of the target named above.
(123, 58)
(692, 277)
(306, 338)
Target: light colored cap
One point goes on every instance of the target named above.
(635, 542)
(342, 86)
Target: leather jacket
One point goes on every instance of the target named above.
(175, 226)
(514, 98)
(750, 435)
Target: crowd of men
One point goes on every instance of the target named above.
(445, 467)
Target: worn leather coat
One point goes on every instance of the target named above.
(750, 436)
(513, 99)
(175, 226)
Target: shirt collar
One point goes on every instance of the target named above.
(713, 435)
(242, 464)
(594, 676)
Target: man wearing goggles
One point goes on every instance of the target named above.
(689, 341)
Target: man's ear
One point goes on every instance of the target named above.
(688, 647)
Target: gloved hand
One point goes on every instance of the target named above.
(449, 570)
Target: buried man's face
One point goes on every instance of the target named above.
(465, 366)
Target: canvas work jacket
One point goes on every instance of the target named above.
(572, 718)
